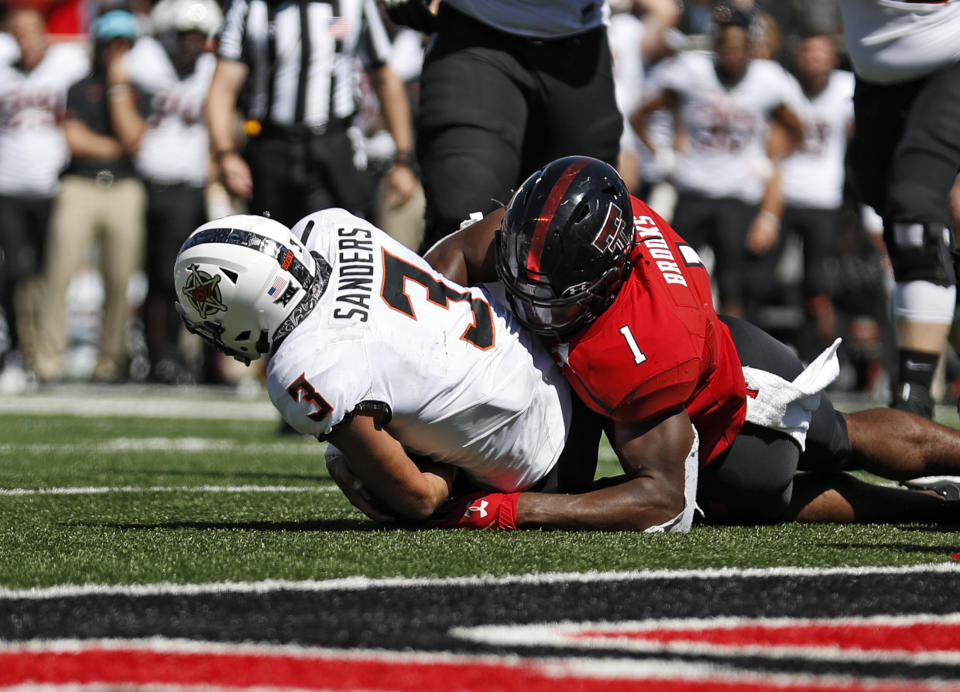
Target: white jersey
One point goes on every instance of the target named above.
(33, 149)
(813, 175)
(175, 148)
(537, 18)
(461, 382)
(896, 41)
(726, 128)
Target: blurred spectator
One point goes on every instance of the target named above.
(33, 90)
(905, 155)
(100, 202)
(638, 34)
(729, 195)
(507, 87)
(158, 94)
(813, 180)
(302, 153)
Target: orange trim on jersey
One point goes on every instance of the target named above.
(546, 215)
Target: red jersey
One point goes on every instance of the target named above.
(660, 344)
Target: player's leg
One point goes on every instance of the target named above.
(575, 111)
(471, 124)
(121, 255)
(72, 225)
(917, 234)
(733, 218)
(838, 497)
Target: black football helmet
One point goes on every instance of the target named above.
(564, 246)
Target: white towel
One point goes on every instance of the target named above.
(772, 402)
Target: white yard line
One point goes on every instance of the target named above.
(166, 444)
(20, 492)
(367, 583)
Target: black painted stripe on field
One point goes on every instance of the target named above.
(421, 618)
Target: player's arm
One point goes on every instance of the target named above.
(387, 473)
(84, 143)
(764, 231)
(128, 125)
(666, 99)
(228, 79)
(652, 455)
(652, 496)
(468, 256)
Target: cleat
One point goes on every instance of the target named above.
(947, 487)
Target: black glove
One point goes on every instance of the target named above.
(415, 14)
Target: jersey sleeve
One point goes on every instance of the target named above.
(230, 36)
(314, 392)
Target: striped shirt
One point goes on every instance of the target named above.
(303, 77)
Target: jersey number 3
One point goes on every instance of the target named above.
(638, 355)
(396, 272)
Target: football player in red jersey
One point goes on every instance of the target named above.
(627, 309)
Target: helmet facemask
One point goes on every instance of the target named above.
(564, 246)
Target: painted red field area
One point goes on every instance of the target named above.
(144, 667)
(903, 637)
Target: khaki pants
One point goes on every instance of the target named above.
(88, 212)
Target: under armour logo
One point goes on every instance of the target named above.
(482, 508)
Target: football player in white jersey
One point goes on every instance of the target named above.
(33, 90)
(409, 376)
(724, 102)
(158, 95)
(813, 177)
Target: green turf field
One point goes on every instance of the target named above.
(195, 492)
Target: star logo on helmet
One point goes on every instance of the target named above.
(202, 291)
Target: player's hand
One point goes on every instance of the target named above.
(478, 511)
(764, 233)
(236, 175)
(355, 492)
(401, 185)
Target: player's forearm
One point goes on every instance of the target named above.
(128, 125)
(635, 505)
(85, 143)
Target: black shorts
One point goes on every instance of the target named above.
(721, 223)
(905, 151)
(494, 107)
(753, 480)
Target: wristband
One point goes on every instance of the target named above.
(403, 157)
(118, 90)
(771, 217)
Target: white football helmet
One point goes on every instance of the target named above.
(187, 15)
(244, 282)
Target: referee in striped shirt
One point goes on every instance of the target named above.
(295, 62)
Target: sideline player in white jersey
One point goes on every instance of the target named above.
(373, 350)
(33, 149)
(158, 93)
(905, 155)
(724, 102)
(813, 178)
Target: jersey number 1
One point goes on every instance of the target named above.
(638, 355)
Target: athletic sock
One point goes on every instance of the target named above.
(915, 377)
